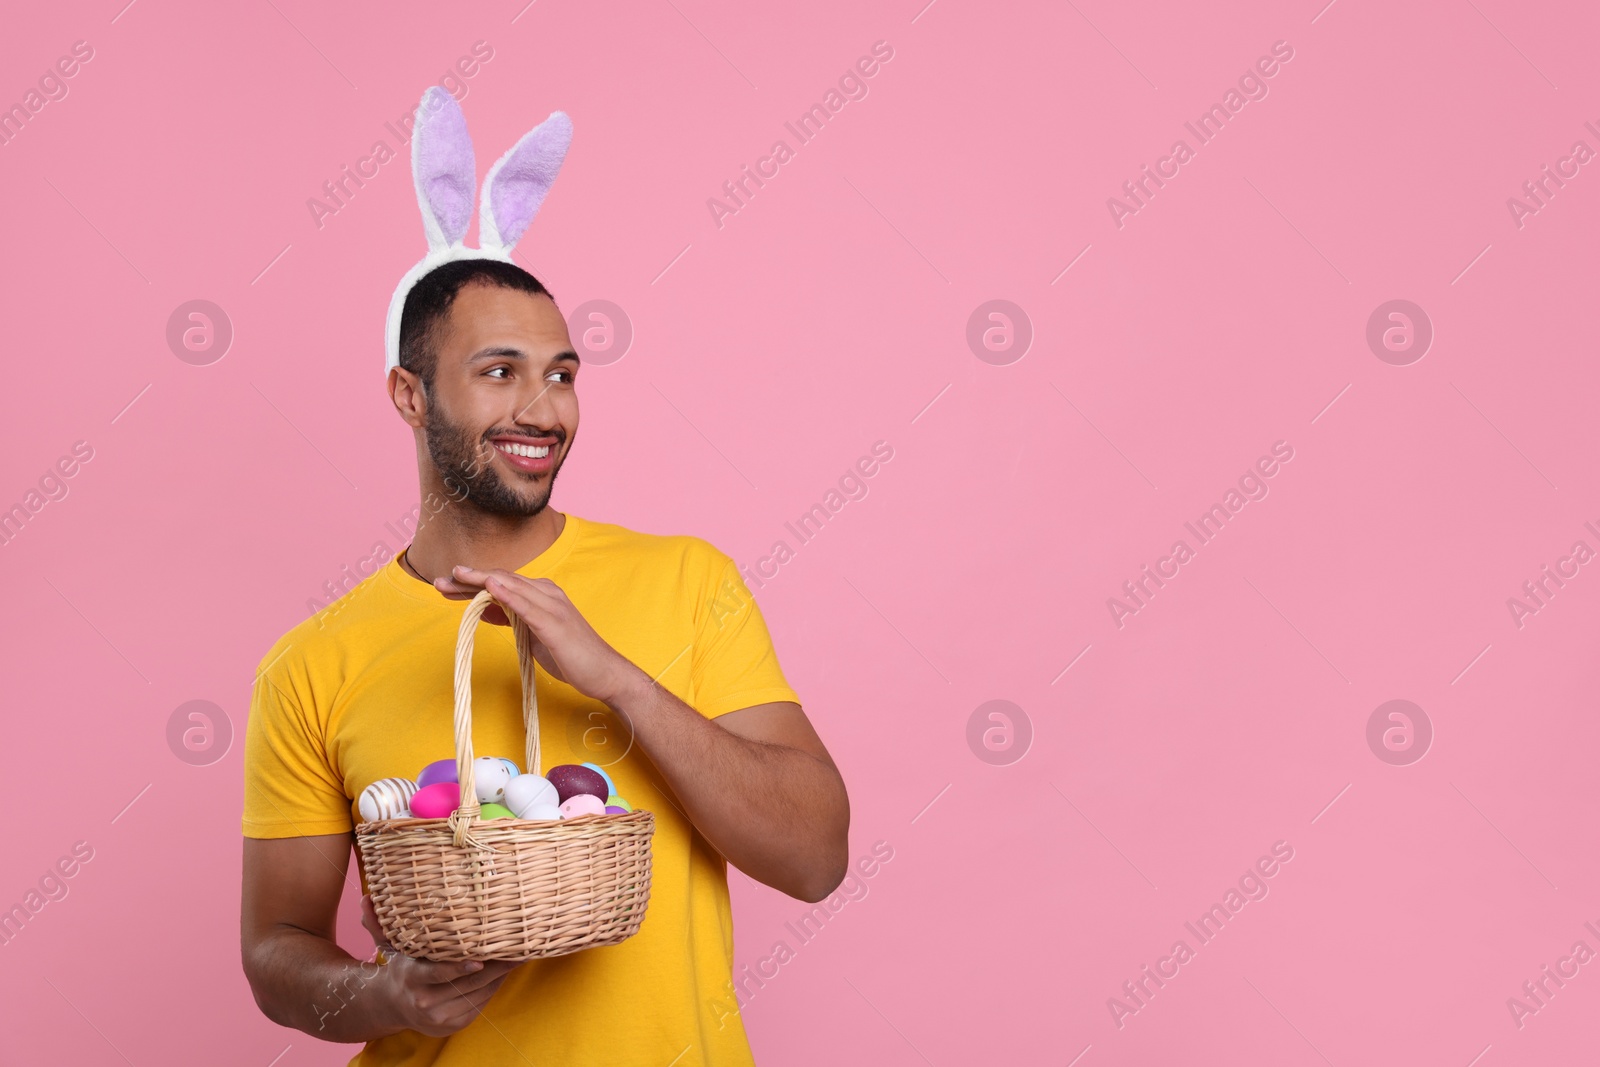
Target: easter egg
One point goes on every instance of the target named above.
(443, 770)
(385, 798)
(495, 811)
(612, 809)
(618, 802)
(436, 801)
(582, 804)
(611, 787)
(510, 766)
(489, 778)
(527, 790)
(571, 779)
(546, 812)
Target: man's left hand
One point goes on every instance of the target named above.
(564, 644)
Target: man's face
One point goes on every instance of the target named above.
(503, 409)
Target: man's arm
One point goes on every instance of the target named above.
(757, 782)
(302, 979)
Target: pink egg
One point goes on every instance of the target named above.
(443, 770)
(571, 779)
(581, 804)
(436, 801)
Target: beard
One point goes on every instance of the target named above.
(465, 462)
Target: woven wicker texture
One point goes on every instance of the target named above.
(512, 889)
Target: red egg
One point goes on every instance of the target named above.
(436, 801)
(571, 779)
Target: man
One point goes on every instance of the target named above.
(654, 660)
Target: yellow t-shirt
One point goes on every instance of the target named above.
(362, 691)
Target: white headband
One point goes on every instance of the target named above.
(445, 172)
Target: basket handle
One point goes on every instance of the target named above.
(467, 814)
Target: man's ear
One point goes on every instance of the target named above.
(405, 390)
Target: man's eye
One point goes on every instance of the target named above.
(559, 375)
(504, 371)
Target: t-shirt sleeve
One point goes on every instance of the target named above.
(290, 789)
(734, 664)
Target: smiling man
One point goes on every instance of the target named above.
(656, 663)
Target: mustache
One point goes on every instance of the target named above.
(528, 435)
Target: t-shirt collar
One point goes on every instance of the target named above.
(540, 566)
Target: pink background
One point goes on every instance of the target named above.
(826, 315)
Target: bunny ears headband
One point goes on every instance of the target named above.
(446, 176)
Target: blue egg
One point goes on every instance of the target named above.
(611, 787)
(510, 766)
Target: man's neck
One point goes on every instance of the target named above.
(459, 535)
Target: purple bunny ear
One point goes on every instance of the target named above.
(443, 167)
(519, 180)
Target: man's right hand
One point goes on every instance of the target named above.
(302, 978)
(431, 998)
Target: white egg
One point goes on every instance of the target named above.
(541, 811)
(386, 798)
(526, 791)
(490, 775)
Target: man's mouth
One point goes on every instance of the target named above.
(531, 454)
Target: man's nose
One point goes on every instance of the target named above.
(534, 407)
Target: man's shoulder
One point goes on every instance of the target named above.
(325, 634)
(611, 539)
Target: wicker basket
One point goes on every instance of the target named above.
(513, 889)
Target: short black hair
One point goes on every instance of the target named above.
(430, 300)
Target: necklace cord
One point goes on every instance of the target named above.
(405, 559)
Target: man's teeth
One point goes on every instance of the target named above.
(530, 451)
